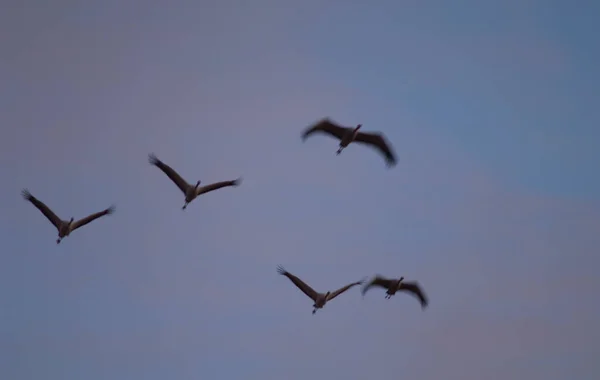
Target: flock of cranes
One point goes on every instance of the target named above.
(345, 135)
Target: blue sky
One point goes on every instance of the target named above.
(494, 206)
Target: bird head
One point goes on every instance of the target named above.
(400, 279)
(357, 127)
(327, 295)
(197, 184)
(71, 221)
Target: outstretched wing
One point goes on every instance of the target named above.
(218, 185)
(310, 292)
(89, 218)
(169, 171)
(414, 289)
(378, 280)
(325, 126)
(55, 220)
(378, 141)
(342, 290)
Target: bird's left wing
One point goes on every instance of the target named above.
(342, 290)
(90, 218)
(415, 289)
(378, 141)
(218, 185)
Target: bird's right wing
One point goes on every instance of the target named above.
(310, 292)
(378, 280)
(325, 126)
(55, 220)
(169, 171)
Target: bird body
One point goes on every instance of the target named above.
(319, 299)
(348, 135)
(64, 227)
(394, 285)
(191, 192)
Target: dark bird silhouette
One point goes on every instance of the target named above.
(395, 285)
(319, 299)
(348, 135)
(64, 227)
(191, 192)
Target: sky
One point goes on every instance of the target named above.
(494, 206)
